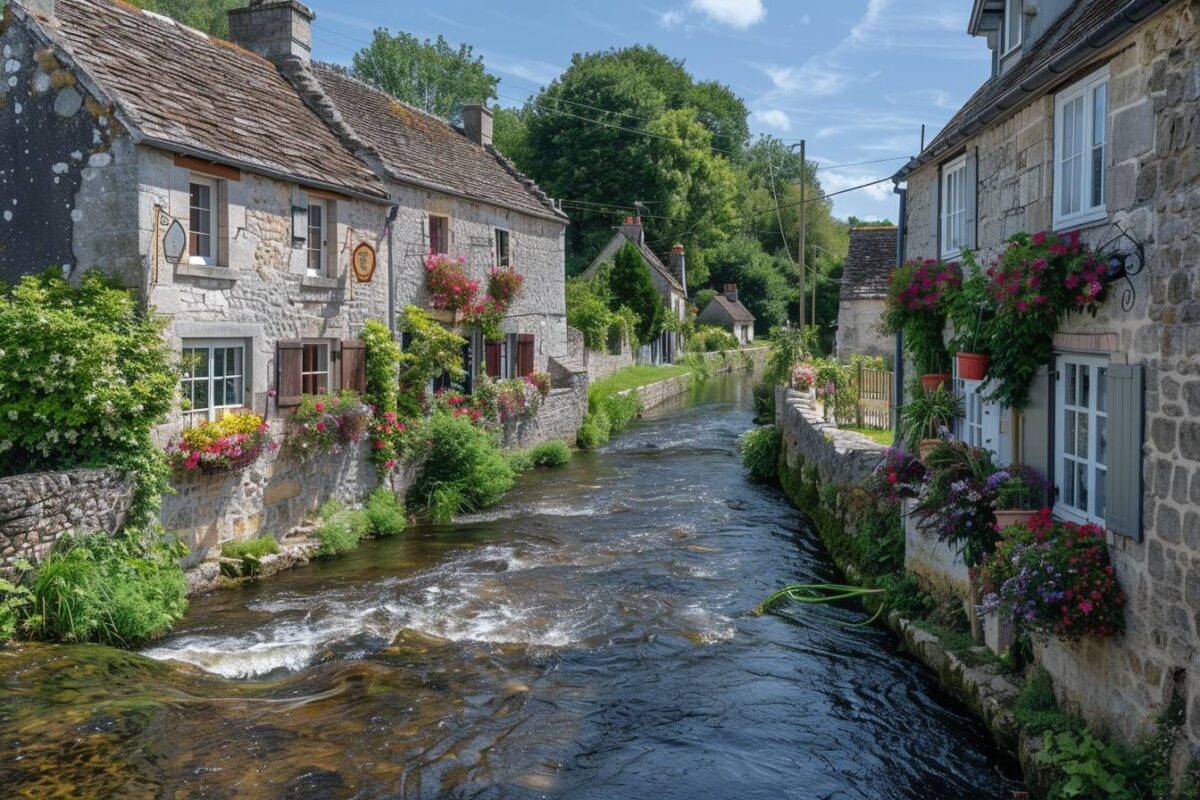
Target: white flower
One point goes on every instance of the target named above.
(12, 415)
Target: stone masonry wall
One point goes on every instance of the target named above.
(1153, 190)
(601, 363)
(840, 457)
(36, 509)
(858, 330)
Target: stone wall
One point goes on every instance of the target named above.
(858, 330)
(839, 457)
(38, 508)
(1153, 189)
(601, 363)
(559, 418)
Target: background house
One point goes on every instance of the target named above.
(726, 311)
(1088, 122)
(866, 273)
(671, 283)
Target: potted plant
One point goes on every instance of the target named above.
(971, 309)
(1020, 492)
(916, 306)
(925, 416)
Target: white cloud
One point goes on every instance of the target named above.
(740, 14)
(774, 118)
(804, 20)
(538, 72)
(671, 19)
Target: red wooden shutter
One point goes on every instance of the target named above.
(354, 365)
(492, 359)
(289, 355)
(524, 354)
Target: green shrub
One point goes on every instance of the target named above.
(1036, 709)
(250, 552)
(701, 367)
(15, 603)
(588, 312)
(385, 513)
(87, 375)
(431, 351)
(1088, 767)
(340, 529)
(465, 468)
(764, 403)
(593, 432)
(550, 454)
(520, 460)
(112, 590)
(712, 338)
(760, 449)
(620, 410)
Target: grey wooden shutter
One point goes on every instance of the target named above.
(299, 218)
(1036, 446)
(971, 190)
(1125, 429)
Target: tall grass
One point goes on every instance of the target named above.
(465, 470)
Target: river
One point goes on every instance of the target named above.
(588, 639)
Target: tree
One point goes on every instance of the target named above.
(764, 286)
(632, 287)
(430, 75)
(855, 222)
(209, 16)
(510, 135)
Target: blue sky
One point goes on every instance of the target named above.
(855, 78)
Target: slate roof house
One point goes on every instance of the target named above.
(127, 139)
(726, 311)
(1091, 119)
(865, 279)
(671, 283)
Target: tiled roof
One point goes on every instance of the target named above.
(418, 146)
(733, 309)
(655, 263)
(180, 88)
(869, 263)
(1043, 60)
(648, 255)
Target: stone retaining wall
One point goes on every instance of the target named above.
(655, 394)
(559, 418)
(36, 509)
(808, 440)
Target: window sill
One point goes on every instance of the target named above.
(1081, 221)
(204, 271)
(321, 282)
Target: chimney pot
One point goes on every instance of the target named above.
(632, 228)
(679, 265)
(275, 29)
(477, 124)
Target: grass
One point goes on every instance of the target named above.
(884, 437)
(340, 529)
(385, 513)
(250, 552)
(633, 378)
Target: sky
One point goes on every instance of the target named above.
(855, 78)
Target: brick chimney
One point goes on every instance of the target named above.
(275, 29)
(477, 124)
(731, 292)
(632, 227)
(679, 265)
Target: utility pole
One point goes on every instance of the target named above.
(803, 216)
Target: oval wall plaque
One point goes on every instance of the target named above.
(363, 262)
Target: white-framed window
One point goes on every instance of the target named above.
(203, 245)
(503, 250)
(317, 243)
(214, 378)
(1012, 26)
(314, 368)
(1081, 437)
(954, 207)
(504, 369)
(1080, 151)
(971, 424)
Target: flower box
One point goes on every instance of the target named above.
(229, 444)
(1013, 516)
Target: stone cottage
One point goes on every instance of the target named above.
(1090, 121)
(726, 311)
(865, 279)
(671, 283)
(223, 181)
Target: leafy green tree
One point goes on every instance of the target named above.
(206, 15)
(762, 280)
(631, 286)
(431, 75)
(510, 135)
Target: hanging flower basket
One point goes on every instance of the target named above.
(934, 381)
(973, 366)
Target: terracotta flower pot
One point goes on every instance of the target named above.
(1013, 516)
(933, 381)
(926, 447)
(973, 366)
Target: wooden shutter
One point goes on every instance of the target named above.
(524, 354)
(289, 358)
(1125, 429)
(1036, 448)
(354, 365)
(971, 189)
(492, 358)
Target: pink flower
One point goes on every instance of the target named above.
(1085, 606)
(320, 407)
(1071, 281)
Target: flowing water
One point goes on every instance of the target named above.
(588, 639)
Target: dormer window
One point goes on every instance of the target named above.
(1012, 25)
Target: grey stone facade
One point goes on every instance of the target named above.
(1153, 170)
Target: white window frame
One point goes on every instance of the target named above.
(446, 246)
(214, 411)
(1084, 92)
(214, 207)
(325, 359)
(1094, 460)
(504, 371)
(506, 259)
(1012, 12)
(321, 246)
(952, 215)
(971, 423)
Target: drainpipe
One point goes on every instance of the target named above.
(391, 273)
(898, 372)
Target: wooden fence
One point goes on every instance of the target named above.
(874, 398)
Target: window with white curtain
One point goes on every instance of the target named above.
(1081, 440)
(954, 207)
(214, 378)
(1080, 151)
